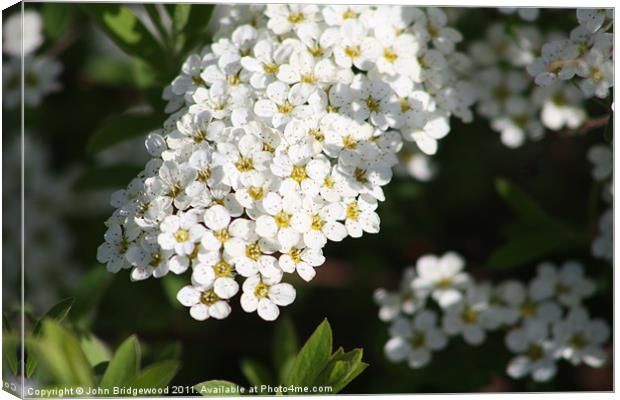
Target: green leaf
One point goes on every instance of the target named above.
(285, 346)
(107, 176)
(95, 350)
(217, 388)
(60, 352)
(126, 30)
(120, 128)
(341, 369)
(124, 366)
(89, 292)
(312, 357)
(195, 31)
(525, 248)
(156, 375)
(56, 18)
(256, 373)
(172, 284)
(58, 312)
(180, 16)
(523, 204)
(9, 346)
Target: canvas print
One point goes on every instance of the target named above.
(266, 199)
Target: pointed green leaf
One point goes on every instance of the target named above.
(126, 30)
(341, 369)
(124, 366)
(523, 204)
(256, 373)
(122, 127)
(195, 32)
(60, 352)
(312, 357)
(217, 388)
(9, 346)
(58, 312)
(56, 18)
(95, 350)
(156, 375)
(180, 16)
(526, 248)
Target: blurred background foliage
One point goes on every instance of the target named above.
(484, 204)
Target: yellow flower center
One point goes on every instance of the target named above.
(561, 289)
(349, 143)
(331, 109)
(296, 18)
(283, 219)
(308, 78)
(577, 340)
(253, 251)
(349, 14)
(197, 80)
(155, 260)
(256, 193)
(175, 190)
(389, 54)
(261, 290)
(295, 254)
(443, 283)
(352, 51)
(404, 104)
(222, 269)
(534, 352)
(316, 51)
(285, 108)
(353, 212)
(200, 136)
(316, 134)
(317, 223)
(528, 309)
(244, 164)
(267, 147)
(360, 175)
(373, 104)
(418, 340)
(233, 80)
(222, 235)
(299, 173)
(181, 235)
(469, 316)
(328, 182)
(209, 297)
(204, 175)
(271, 68)
(195, 252)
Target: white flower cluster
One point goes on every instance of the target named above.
(40, 72)
(283, 132)
(517, 108)
(601, 157)
(587, 53)
(545, 319)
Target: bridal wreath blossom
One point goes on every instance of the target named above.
(282, 134)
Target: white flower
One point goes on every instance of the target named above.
(425, 129)
(568, 285)
(535, 352)
(593, 19)
(277, 223)
(282, 104)
(557, 61)
(301, 260)
(267, 61)
(203, 303)
(264, 296)
(581, 339)
(603, 244)
(414, 341)
(216, 273)
(471, 316)
(180, 233)
(522, 304)
(442, 277)
(217, 219)
(354, 47)
(40, 79)
(598, 73)
(306, 74)
(117, 241)
(319, 221)
(404, 301)
(17, 39)
(527, 14)
(360, 216)
(601, 157)
(148, 260)
(284, 18)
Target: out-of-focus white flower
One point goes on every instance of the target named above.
(40, 79)
(527, 14)
(405, 301)
(535, 352)
(442, 277)
(601, 156)
(568, 284)
(603, 244)
(415, 340)
(581, 339)
(17, 42)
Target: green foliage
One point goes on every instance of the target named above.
(56, 19)
(172, 284)
(58, 313)
(9, 346)
(71, 362)
(124, 366)
(539, 233)
(88, 294)
(315, 365)
(122, 127)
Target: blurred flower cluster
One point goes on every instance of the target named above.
(282, 134)
(40, 72)
(512, 55)
(544, 320)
